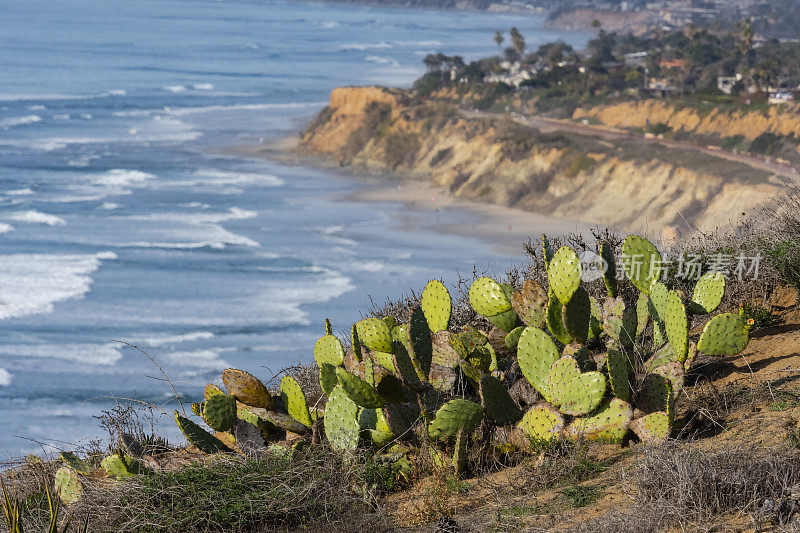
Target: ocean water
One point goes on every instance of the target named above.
(124, 218)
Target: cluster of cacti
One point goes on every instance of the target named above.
(602, 368)
(75, 473)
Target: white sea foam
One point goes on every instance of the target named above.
(18, 192)
(36, 217)
(381, 60)
(62, 116)
(5, 377)
(115, 92)
(92, 354)
(82, 161)
(327, 25)
(225, 178)
(366, 46)
(197, 359)
(32, 283)
(174, 88)
(203, 86)
(36, 107)
(10, 122)
(5, 228)
(162, 340)
(188, 230)
(108, 206)
(133, 113)
(242, 107)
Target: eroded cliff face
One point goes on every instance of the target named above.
(779, 120)
(499, 161)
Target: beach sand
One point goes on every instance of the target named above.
(506, 229)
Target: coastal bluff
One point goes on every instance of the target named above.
(495, 159)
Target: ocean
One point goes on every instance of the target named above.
(125, 217)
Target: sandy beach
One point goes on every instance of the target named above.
(506, 229)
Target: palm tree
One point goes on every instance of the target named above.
(498, 39)
(517, 41)
(745, 29)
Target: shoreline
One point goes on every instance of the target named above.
(505, 229)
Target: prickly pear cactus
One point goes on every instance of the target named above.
(327, 377)
(542, 423)
(576, 315)
(610, 272)
(530, 304)
(619, 370)
(437, 306)
(536, 353)
(573, 392)
(652, 429)
(497, 401)
(120, 467)
(406, 369)
(641, 261)
(453, 416)
(219, 412)
(555, 320)
(676, 325)
(359, 391)
(655, 394)
(341, 421)
(76, 463)
(420, 342)
(210, 390)
(707, 293)
(199, 437)
(608, 423)
(488, 298)
(247, 388)
(68, 485)
(375, 334)
(512, 338)
(328, 350)
(547, 251)
(294, 399)
(725, 334)
(674, 372)
(564, 273)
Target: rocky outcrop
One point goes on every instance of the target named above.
(499, 161)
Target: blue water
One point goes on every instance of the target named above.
(122, 217)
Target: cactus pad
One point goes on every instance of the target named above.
(547, 251)
(608, 423)
(581, 355)
(641, 261)
(497, 402)
(653, 428)
(76, 463)
(391, 388)
(555, 320)
(443, 352)
(642, 313)
(542, 423)
(219, 412)
(247, 388)
(708, 293)
(488, 298)
(375, 334)
(610, 273)
(687, 365)
(281, 420)
(573, 392)
(294, 399)
(676, 326)
(328, 350)
(405, 367)
(536, 353)
(725, 334)
(341, 421)
(655, 394)
(530, 304)
(359, 391)
(442, 378)
(120, 467)
(512, 338)
(210, 390)
(327, 377)
(674, 372)
(199, 437)
(419, 339)
(437, 306)
(506, 321)
(564, 273)
(576, 315)
(68, 485)
(453, 416)
(618, 369)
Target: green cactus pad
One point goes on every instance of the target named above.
(608, 423)
(555, 320)
(443, 352)
(564, 273)
(674, 372)
(542, 423)
(581, 355)
(610, 273)
(359, 391)
(76, 463)
(536, 353)
(547, 251)
(250, 417)
(358, 349)
(391, 322)
(327, 377)
(442, 378)
(294, 399)
(219, 412)
(375, 334)
(328, 350)
(619, 322)
(576, 315)
(120, 467)
(641, 261)
(405, 367)
(676, 326)
(596, 319)
(420, 341)
(210, 390)
(506, 321)
(199, 437)
(707, 293)
(392, 389)
(481, 357)
(341, 421)
(573, 392)
(401, 418)
(197, 408)
(281, 420)
(512, 338)
(68, 485)
(659, 297)
(373, 422)
(652, 429)
(530, 304)
(687, 365)
(247, 388)
(725, 334)
(497, 401)
(453, 416)
(437, 306)
(654, 395)
(386, 360)
(642, 313)
(619, 369)
(488, 298)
